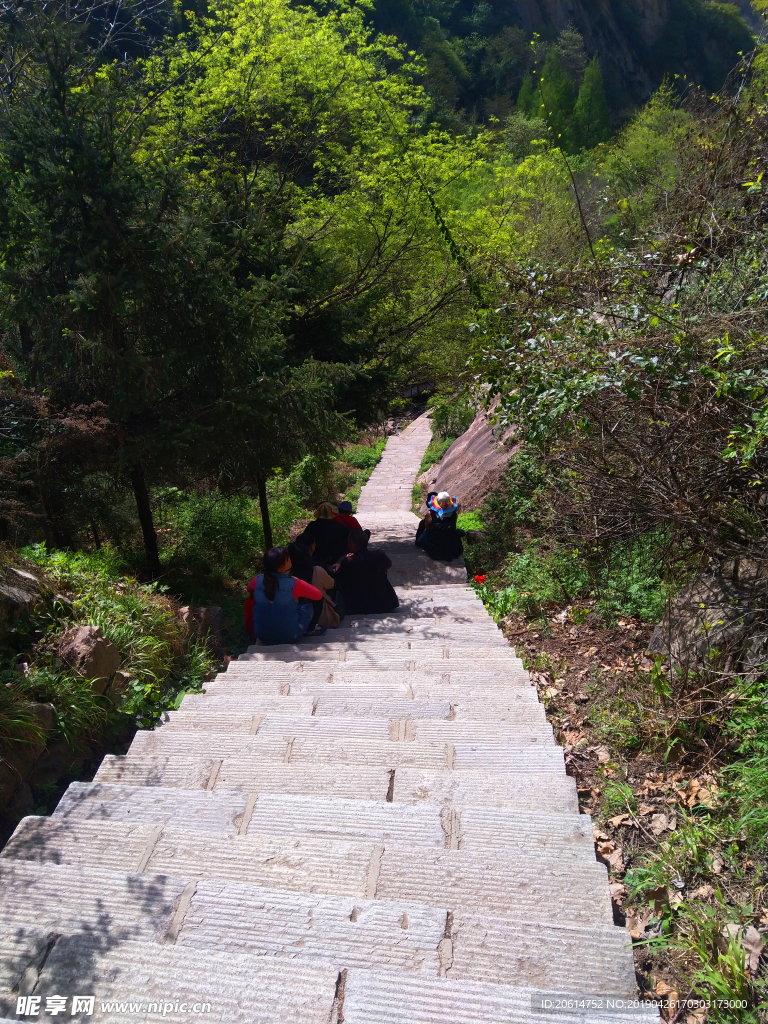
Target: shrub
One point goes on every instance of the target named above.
(451, 415)
(155, 647)
(218, 534)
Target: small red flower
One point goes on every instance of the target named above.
(479, 579)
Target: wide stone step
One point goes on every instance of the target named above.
(390, 998)
(240, 813)
(207, 707)
(279, 679)
(531, 754)
(404, 728)
(173, 983)
(479, 631)
(464, 880)
(239, 712)
(345, 932)
(551, 792)
(382, 648)
(222, 916)
(314, 859)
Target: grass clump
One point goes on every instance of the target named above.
(157, 651)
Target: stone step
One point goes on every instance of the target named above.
(222, 916)
(325, 696)
(464, 880)
(474, 680)
(426, 652)
(303, 860)
(530, 754)
(396, 998)
(239, 712)
(239, 718)
(177, 984)
(394, 728)
(239, 813)
(343, 931)
(476, 632)
(553, 792)
(358, 661)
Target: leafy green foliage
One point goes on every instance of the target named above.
(590, 111)
(155, 647)
(646, 161)
(363, 456)
(435, 451)
(451, 415)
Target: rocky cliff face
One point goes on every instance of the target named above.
(639, 41)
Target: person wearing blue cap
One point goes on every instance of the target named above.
(344, 515)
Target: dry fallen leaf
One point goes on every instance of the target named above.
(703, 892)
(753, 947)
(619, 820)
(659, 823)
(637, 923)
(619, 892)
(657, 898)
(601, 753)
(646, 809)
(616, 860)
(670, 997)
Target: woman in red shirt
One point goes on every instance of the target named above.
(276, 616)
(345, 515)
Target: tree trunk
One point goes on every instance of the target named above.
(264, 506)
(141, 494)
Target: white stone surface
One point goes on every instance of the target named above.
(372, 827)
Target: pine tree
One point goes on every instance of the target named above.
(555, 101)
(526, 98)
(591, 110)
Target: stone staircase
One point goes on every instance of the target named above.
(374, 827)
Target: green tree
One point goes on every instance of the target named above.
(230, 246)
(591, 117)
(573, 56)
(555, 100)
(526, 98)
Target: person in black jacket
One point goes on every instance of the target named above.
(329, 535)
(438, 534)
(362, 578)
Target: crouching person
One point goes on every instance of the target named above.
(361, 578)
(283, 608)
(438, 534)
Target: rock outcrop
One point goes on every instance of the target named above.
(719, 621)
(472, 466)
(90, 654)
(633, 39)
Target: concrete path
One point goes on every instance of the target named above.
(374, 827)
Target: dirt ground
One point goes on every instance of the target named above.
(636, 776)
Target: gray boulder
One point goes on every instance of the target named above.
(204, 622)
(90, 654)
(719, 621)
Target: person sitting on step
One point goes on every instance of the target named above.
(437, 533)
(303, 568)
(329, 533)
(282, 608)
(345, 516)
(361, 578)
